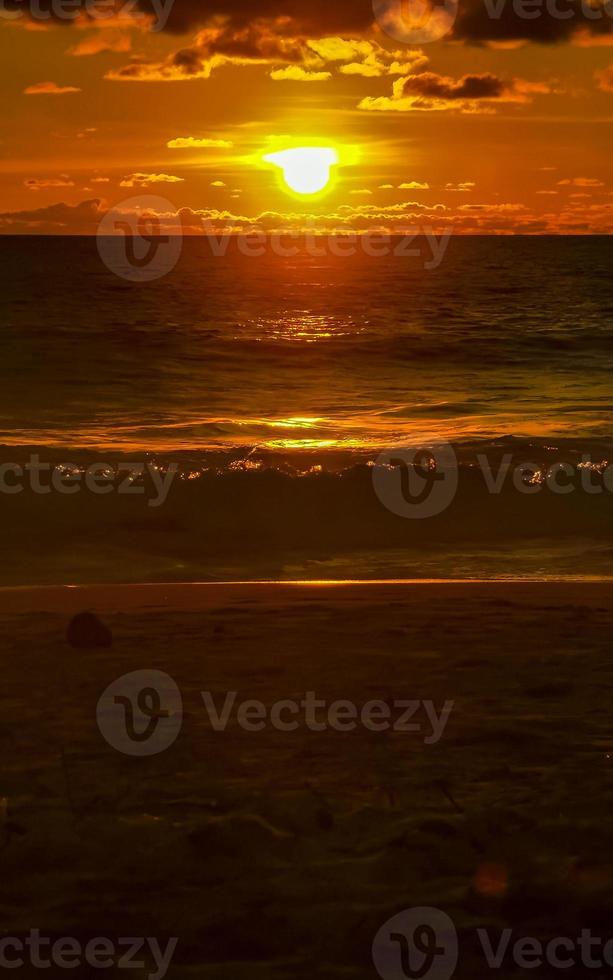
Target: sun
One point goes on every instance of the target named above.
(306, 169)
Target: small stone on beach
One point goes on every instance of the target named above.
(87, 632)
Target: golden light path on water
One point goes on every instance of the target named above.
(301, 327)
(318, 414)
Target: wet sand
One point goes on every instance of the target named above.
(279, 854)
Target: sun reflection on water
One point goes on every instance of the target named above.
(303, 327)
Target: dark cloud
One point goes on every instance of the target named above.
(430, 92)
(188, 60)
(258, 41)
(292, 16)
(289, 16)
(221, 44)
(507, 218)
(434, 86)
(58, 219)
(550, 22)
(477, 21)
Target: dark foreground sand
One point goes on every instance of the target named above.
(278, 855)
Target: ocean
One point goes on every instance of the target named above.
(274, 384)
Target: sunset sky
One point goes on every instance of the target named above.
(503, 125)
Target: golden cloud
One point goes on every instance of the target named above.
(198, 142)
(50, 88)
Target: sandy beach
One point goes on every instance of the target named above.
(279, 854)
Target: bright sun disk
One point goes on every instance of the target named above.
(306, 169)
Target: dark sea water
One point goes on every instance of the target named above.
(259, 369)
(509, 336)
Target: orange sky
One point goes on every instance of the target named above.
(489, 128)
